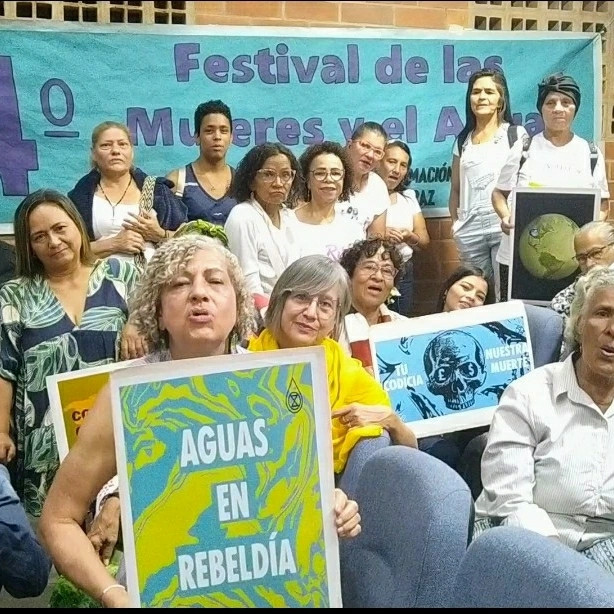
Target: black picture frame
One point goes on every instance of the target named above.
(536, 275)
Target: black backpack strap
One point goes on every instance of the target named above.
(512, 134)
(526, 144)
(594, 156)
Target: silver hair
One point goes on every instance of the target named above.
(597, 278)
(168, 261)
(606, 229)
(312, 275)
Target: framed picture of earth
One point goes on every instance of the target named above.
(542, 259)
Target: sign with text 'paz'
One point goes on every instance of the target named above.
(226, 481)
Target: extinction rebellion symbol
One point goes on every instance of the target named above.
(294, 398)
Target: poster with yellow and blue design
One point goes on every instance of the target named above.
(226, 481)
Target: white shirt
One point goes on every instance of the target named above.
(401, 215)
(549, 462)
(366, 205)
(107, 223)
(263, 250)
(547, 165)
(325, 239)
(480, 166)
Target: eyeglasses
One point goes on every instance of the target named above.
(321, 174)
(386, 269)
(593, 254)
(378, 153)
(326, 306)
(268, 175)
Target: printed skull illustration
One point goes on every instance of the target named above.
(454, 364)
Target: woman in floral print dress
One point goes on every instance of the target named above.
(65, 311)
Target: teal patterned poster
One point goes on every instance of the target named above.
(226, 481)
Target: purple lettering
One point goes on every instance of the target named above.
(45, 96)
(261, 127)
(416, 70)
(333, 70)
(312, 127)
(388, 69)
(467, 65)
(534, 124)
(305, 75)
(448, 63)
(393, 128)
(19, 156)
(288, 130)
(264, 60)
(493, 62)
(241, 65)
(348, 131)
(216, 68)
(353, 64)
(184, 62)
(241, 132)
(411, 124)
(448, 124)
(161, 124)
(281, 65)
(186, 136)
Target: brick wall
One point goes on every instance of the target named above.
(432, 266)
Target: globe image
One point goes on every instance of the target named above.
(546, 247)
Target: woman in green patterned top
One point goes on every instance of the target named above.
(65, 312)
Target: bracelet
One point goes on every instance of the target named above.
(106, 590)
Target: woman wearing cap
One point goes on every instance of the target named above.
(555, 158)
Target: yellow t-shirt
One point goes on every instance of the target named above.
(348, 382)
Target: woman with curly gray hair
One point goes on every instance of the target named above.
(548, 462)
(191, 302)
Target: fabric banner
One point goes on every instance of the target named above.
(446, 372)
(295, 86)
(226, 481)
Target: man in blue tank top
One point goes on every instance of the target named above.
(203, 185)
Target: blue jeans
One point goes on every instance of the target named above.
(405, 285)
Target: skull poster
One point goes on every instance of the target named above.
(446, 372)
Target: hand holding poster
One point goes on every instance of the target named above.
(446, 372)
(543, 260)
(226, 481)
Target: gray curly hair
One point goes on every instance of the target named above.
(586, 286)
(168, 261)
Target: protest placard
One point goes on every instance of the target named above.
(226, 481)
(446, 372)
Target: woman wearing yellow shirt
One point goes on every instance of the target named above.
(306, 308)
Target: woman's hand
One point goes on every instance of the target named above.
(7, 448)
(104, 531)
(128, 242)
(506, 225)
(133, 344)
(146, 224)
(357, 414)
(411, 238)
(394, 235)
(347, 517)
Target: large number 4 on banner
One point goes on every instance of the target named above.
(19, 155)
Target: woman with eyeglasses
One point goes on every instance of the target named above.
(258, 228)
(317, 225)
(372, 266)
(405, 224)
(594, 246)
(306, 308)
(369, 201)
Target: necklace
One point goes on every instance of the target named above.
(213, 188)
(113, 206)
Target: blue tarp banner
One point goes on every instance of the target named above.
(294, 86)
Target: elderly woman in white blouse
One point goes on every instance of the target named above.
(549, 462)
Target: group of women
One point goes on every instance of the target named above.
(115, 271)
